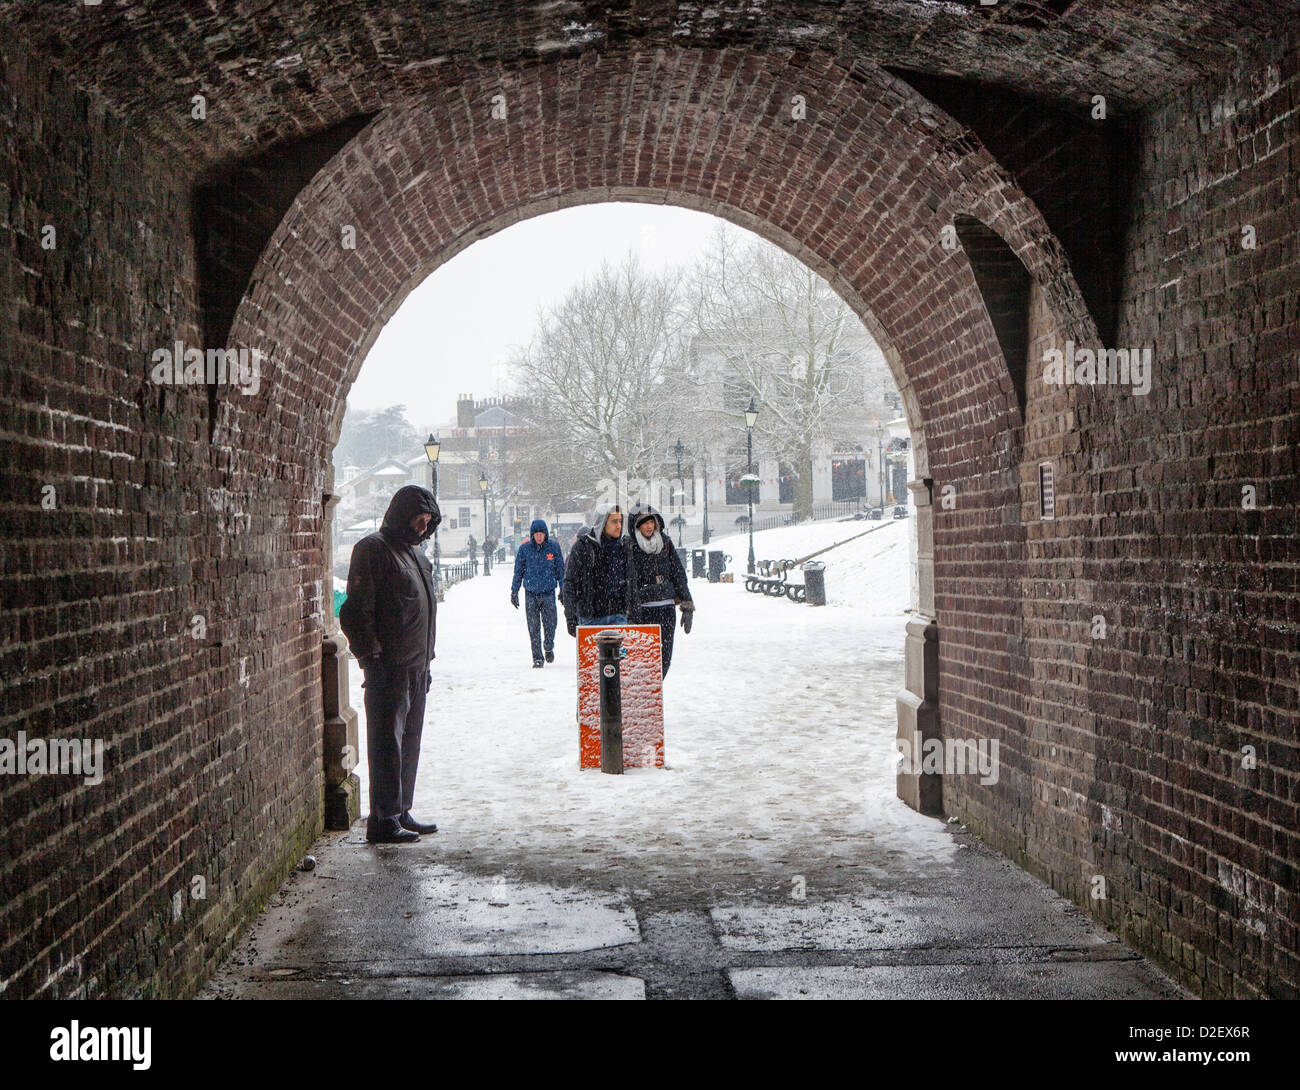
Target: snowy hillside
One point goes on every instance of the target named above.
(869, 573)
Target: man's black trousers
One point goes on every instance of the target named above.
(666, 618)
(394, 722)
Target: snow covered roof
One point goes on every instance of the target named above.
(390, 467)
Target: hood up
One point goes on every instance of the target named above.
(409, 501)
(539, 524)
(602, 512)
(639, 513)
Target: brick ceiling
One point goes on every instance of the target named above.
(279, 69)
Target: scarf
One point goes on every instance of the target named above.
(654, 544)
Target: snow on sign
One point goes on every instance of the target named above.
(642, 690)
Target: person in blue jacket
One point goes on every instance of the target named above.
(539, 566)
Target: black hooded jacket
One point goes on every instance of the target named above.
(595, 574)
(652, 577)
(390, 614)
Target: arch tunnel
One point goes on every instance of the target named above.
(984, 186)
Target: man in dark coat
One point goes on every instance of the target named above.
(539, 567)
(390, 620)
(595, 577)
(656, 583)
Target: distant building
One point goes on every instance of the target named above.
(845, 471)
(365, 493)
(487, 439)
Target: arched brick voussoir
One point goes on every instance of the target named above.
(859, 189)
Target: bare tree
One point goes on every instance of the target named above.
(780, 334)
(604, 372)
(368, 436)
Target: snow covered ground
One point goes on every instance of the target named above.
(779, 724)
(770, 859)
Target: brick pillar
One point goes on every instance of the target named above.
(342, 788)
(918, 703)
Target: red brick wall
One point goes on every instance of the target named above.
(1123, 755)
(1206, 854)
(204, 776)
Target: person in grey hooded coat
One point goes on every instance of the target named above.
(595, 574)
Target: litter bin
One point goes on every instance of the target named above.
(697, 563)
(814, 580)
(717, 564)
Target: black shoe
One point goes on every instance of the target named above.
(390, 832)
(537, 664)
(550, 656)
(414, 826)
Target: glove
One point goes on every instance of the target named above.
(514, 599)
(688, 615)
(571, 623)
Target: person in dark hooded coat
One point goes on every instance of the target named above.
(656, 584)
(595, 575)
(390, 620)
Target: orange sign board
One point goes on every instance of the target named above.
(642, 691)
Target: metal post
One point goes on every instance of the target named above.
(610, 645)
(437, 550)
(749, 487)
(681, 494)
(704, 536)
(880, 463)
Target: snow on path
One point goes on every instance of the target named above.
(779, 723)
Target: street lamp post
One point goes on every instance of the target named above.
(704, 533)
(431, 449)
(880, 461)
(681, 494)
(487, 555)
(751, 418)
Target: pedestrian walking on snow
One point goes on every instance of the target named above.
(657, 584)
(539, 567)
(595, 579)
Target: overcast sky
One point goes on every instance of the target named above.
(453, 332)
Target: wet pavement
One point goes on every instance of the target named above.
(392, 921)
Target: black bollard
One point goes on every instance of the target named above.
(610, 643)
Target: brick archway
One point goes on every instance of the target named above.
(852, 171)
(859, 189)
